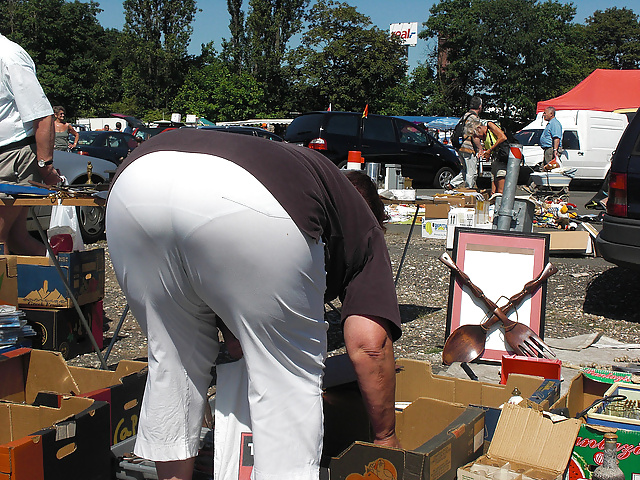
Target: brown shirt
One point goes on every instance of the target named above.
(319, 199)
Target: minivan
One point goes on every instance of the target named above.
(589, 138)
(619, 240)
(381, 139)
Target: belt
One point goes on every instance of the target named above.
(466, 150)
(19, 144)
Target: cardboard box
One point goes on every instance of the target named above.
(433, 449)
(8, 281)
(415, 379)
(40, 285)
(55, 442)
(532, 444)
(577, 242)
(599, 415)
(587, 452)
(434, 228)
(29, 372)
(587, 387)
(60, 329)
(436, 210)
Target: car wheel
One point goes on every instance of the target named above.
(443, 177)
(91, 223)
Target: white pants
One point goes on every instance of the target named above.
(194, 235)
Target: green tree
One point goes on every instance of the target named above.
(67, 45)
(346, 62)
(214, 92)
(512, 52)
(258, 44)
(161, 31)
(613, 37)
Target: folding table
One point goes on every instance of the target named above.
(50, 198)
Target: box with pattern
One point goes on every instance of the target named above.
(40, 285)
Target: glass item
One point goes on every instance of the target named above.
(609, 470)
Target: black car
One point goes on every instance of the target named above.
(619, 240)
(253, 131)
(110, 145)
(381, 139)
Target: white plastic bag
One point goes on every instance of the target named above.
(65, 220)
(233, 441)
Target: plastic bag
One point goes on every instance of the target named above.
(64, 220)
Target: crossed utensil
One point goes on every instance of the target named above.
(467, 342)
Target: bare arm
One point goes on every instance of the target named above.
(73, 132)
(44, 133)
(370, 348)
(500, 137)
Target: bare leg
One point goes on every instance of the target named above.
(13, 232)
(175, 470)
(499, 185)
(230, 341)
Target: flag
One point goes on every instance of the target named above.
(365, 114)
(329, 109)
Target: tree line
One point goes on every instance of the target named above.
(514, 53)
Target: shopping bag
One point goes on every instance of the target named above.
(65, 220)
(233, 440)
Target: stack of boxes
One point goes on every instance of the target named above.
(34, 284)
(450, 211)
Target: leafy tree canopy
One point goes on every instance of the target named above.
(345, 61)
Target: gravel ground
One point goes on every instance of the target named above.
(586, 295)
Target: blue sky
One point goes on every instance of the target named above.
(212, 23)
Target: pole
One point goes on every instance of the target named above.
(505, 213)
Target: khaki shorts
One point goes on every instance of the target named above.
(19, 166)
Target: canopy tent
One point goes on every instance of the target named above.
(604, 90)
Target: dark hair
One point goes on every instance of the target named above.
(475, 103)
(369, 192)
(58, 108)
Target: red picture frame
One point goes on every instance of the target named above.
(500, 263)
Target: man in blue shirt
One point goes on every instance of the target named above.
(551, 135)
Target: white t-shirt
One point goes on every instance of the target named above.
(21, 97)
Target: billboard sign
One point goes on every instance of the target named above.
(408, 32)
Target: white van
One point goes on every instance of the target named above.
(589, 137)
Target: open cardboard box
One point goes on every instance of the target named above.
(66, 440)
(26, 373)
(415, 379)
(437, 437)
(532, 444)
(585, 389)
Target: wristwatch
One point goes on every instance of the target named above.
(44, 163)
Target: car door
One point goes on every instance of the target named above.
(118, 146)
(379, 142)
(421, 157)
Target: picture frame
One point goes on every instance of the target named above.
(500, 263)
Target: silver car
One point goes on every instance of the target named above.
(74, 168)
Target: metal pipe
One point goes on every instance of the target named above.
(505, 213)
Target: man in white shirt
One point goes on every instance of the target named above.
(26, 141)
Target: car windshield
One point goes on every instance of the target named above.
(87, 138)
(528, 137)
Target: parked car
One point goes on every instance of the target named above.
(110, 145)
(588, 138)
(619, 239)
(253, 131)
(74, 169)
(381, 139)
(137, 127)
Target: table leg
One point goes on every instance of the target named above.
(83, 320)
(406, 245)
